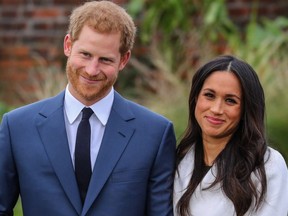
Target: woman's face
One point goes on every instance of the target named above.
(218, 106)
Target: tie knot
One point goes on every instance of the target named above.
(86, 112)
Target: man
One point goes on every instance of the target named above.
(130, 152)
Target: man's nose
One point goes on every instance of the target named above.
(92, 67)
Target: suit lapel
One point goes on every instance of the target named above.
(116, 137)
(51, 127)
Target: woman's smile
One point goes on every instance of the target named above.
(214, 121)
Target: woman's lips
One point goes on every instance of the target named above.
(215, 121)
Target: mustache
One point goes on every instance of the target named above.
(83, 73)
(87, 76)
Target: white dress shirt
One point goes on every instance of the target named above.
(98, 121)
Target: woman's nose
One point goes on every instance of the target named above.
(217, 107)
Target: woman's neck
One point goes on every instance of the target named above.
(212, 148)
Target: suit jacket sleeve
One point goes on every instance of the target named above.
(161, 178)
(9, 187)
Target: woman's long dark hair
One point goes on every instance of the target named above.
(244, 153)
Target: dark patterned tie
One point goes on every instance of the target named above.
(82, 153)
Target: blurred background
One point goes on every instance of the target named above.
(174, 38)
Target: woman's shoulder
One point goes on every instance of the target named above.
(275, 165)
(189, 157)
(274, 157)
(186, 165)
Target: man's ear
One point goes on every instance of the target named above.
(124, 60)
(67, 45)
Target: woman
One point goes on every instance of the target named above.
(224, 165)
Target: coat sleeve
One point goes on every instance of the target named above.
(275, 202)
(9, 186)
(160, 187)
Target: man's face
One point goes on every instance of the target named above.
(93, 64)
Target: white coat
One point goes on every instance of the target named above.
(213, 202)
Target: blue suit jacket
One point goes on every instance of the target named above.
(132, 175)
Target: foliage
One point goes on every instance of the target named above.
(168, 32)
(264, 45)
(3, 109)
(277, 131)
(46, 81)
(181, 35)
(178, 36)
(18, 208)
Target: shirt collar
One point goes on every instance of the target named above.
(101, 108)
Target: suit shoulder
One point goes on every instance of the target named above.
(145, 112)
(34, 107)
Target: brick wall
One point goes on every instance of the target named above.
(32, 31)
(240, 10)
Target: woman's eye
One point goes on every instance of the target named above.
(209, 95)
(231, 101)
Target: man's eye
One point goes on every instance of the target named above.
(106, 60)
(85, 54)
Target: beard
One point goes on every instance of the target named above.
(87, 93)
